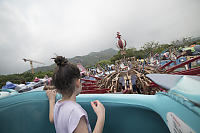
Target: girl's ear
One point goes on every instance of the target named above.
(78, 82)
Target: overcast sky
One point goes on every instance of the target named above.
(37, 29)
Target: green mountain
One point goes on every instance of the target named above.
(87, 60)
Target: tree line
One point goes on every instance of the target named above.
(26, 76)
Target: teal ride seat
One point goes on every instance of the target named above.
(28, 113)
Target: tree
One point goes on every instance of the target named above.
(140, 54)
(186, 41)
(102, 63)
(149, 47)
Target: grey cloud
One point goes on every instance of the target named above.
(38, 29)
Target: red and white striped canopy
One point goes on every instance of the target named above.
(121, 44)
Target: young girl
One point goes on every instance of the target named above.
(67, 115)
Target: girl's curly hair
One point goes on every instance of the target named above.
(65, 75)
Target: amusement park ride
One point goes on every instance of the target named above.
(174, 110)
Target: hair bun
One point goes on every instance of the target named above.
(60, 61)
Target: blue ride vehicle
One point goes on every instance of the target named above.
(175, 111)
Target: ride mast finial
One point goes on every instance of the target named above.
(118, 35)
(121, 43)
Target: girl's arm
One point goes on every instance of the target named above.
(51, 94)
(51, 109)
(82, 126)
(100, 112)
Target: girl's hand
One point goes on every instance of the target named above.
(51, 94)
(98, 109)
